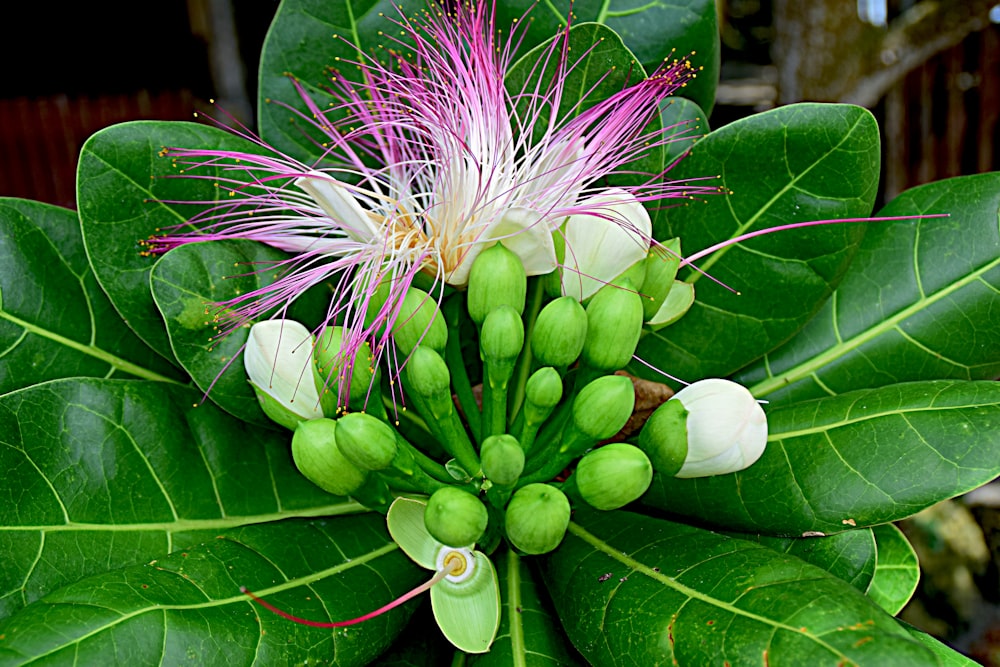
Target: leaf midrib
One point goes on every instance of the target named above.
(629, 562)
(806, 368)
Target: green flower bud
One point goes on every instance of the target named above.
(661, 269)
(613, 476)
(536, 518)
(330, 369)
(316, 455)
(503, 459)
(603, 406)
(614, 322)
(664, 438)
(544, 389)
(419, 322)
(726, 428)
(275, 358)
(497, 279)
(366, 441)
(427, 374)
(455, 517)
(502, 336)
(560, 332)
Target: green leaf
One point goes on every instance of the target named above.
(124, 184)
(859, 459)
(948, 657)
(306, 39)
(100, 474)
(897, 573)
(783, 166)
(680, 595)
(654, 31)
(919, 302)
(54, 319)
(188, 280)
(850, 555)
(529, 631)
(187, 607)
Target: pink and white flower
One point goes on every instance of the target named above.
(458, 166)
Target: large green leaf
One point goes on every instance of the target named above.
(677, 594)
(100, 474)
(187, 607)
(919, 303)
(124, 181)
(851, 555)
(654, 31)
(529, 633)
(54, 319)
(797, 163)
(859, 459)
(306, 39)
(897, 573)
(187, 282)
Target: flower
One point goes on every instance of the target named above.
(466, 603)
(726, 428)
(276, 358)
(431, 159)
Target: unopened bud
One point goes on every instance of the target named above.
(726, 428)
(366, 441)
(614, 322)
(603, 406)
(316, 455)
(664, 438)
(331, 369)
(537, 517)
(502, 338)
(497, 279)
(427, 374)
(661, 269)
(419, 322)
(277, 359)
(503, 459)
(559, 333)
(455, 517)
(613, 476)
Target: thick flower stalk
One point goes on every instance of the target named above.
(430, 160)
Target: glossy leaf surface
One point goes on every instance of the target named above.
(919, 303)
(124, 184)
(186, 284)
(54, 319)
(681, 595)
(187, 607)
(101, 474)
(847, 461)
(897, 573)
(850, 555)
(780, 167)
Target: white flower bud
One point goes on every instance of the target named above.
(277, 360)
(726, 428)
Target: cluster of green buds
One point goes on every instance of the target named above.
(511, 464)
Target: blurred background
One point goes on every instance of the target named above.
(928, 69)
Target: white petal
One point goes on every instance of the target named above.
(338, 203)
(525, 233)
(602, 245)
(277, 358)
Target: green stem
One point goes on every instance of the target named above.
(456, 365)
(523, 371)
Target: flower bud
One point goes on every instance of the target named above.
(419, 322)
(614, 322)
(503, 459)
(661, 270)
(366, 441)
(502, 337)
(455, 517)
(427, 374)
(277, 358)
(331, 368)
(537, 517)
(544, 389)
(316, 455)
(497, 279)
(603, 406)
(613, 476)
(726, 428)
(559, 333)
(664, 438)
